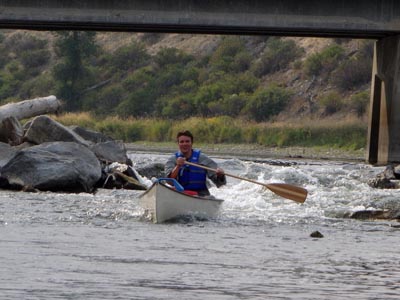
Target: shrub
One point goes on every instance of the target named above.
(355, 71)
(323, 62)
(37, 87)
(171, 56)
(138, 104)
(233, 104)
(22, 42)
(168, 77)
(277, 56)
(331, 103)
(177, 108)
(134, 132)
(130, 57)
(359, 103)
(141, 78)
(106, 101)
(266, 103)
(35, 58)
(352, 73)
(231, 55)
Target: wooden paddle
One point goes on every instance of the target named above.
(284, 190)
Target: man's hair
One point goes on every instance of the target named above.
(185, 133)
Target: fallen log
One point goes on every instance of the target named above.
(30, 108)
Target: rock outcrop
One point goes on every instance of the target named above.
(53, 157)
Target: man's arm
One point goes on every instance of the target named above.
(218, 180)
(170, 165)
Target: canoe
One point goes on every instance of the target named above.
(162, 202)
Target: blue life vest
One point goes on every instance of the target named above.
(191, 177)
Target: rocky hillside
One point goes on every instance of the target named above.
(308, 90)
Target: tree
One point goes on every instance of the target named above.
(72, 74)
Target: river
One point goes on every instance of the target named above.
(85, 246)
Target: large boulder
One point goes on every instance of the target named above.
(11, 131)
(152, 170)
(55, 166)
(90, 135)
(106, 149)
(387, 179)
(111, 151)
(6, 153)
(43, 129)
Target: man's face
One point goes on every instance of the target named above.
(185, 144)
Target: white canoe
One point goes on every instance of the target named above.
(162, 203)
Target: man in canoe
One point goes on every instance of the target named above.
(191, 177)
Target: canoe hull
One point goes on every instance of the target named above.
(162, 203)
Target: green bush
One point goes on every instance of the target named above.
(231, 55)
(106, 101)
(35, 58)
(10, 80)
(355, 71)
(172, 56)
(37, 87)
(178, 108)
(167, 78)
(265, 103)
(221, 86)
(130, 57)
(232, 105)
(359, 103)
(323, 62)
(277, 56)
(138, 104)
(331, 103)
(139, 79)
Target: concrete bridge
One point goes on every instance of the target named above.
(372, 19)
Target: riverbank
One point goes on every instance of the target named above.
(254, 151)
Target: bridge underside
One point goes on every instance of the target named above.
(357, 18)
(372, 19)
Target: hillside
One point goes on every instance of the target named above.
(308, 91)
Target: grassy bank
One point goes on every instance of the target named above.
(332, 134)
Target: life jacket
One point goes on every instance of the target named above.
(191, 177)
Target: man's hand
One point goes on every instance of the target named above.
(220, 172)
(180, 161)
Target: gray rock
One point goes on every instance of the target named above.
(110, 151)
(386, 179)
(56, 166)
(6, 153)
(11, 131)
(153, 170)
(316, 234)
(90, 135)
(43, 129)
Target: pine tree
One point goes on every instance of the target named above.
(72, 74)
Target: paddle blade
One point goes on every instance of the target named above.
(288, 191)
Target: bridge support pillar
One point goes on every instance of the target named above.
(384, 121)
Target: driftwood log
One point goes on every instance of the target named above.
(30, 108)
(11, 130)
